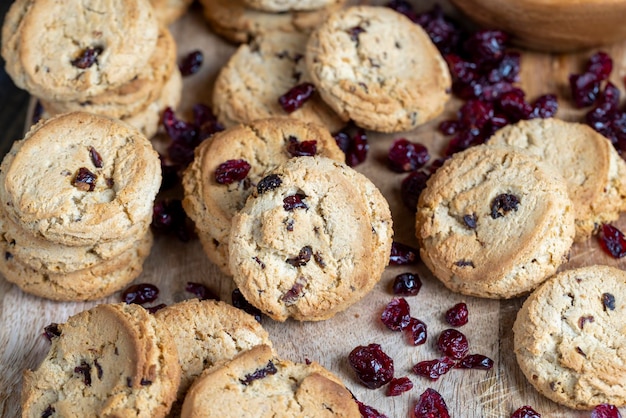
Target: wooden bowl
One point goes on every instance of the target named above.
(551, 25)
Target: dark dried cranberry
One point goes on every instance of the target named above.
(600, 64)
(48, 412)
(168, 216)
(407, 284)
(355, 147)
(52, 331)
(99, 371)
(605, 410)
(354, 33)
(84, 180)
(453, 343)
(201, 291)
(506, 69)
(295, 98)
(444, 33)
(449, 127)
(585, 88)
(295, 201)
(85, 370)
(434, 369)
(525, 412)
(475, 361)
(416, 332)
(367, 411)
(396, 315)
(608, 302)
(430, 405)
(154, 309)
(140, 293)
(411, 188)
(178, 130)
(399, 386)
(372, 366)
(96, 159)
(461, 70)
(87, 58)
(612, 241)
(514, 106)
(268, 370)
(402, 254)
(475, 114)
(37, 112)
(301, 149)
(503, 204)
(544, 107)
(470, 221)
(191, 63)
(486, 45)
(403, 7)
(169, 174)
(407, 156)
(231, 171)
(240, 302)
(457, 315)
(295, 292)
(205, 122)
(584, 319)
(269, 182)
(303, 257)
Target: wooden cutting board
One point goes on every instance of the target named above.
(495, 393)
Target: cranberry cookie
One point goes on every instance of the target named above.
(287, 5)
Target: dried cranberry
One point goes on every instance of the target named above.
(295, 98)
(51, 331)
(367, 411)
(612, 241)
(48, 412)
(430, 405)
(372, 366)
(584, 319)
(453, 343)
(475, 361)
(407, 156)
(525, 412)
(399, 386)
(461, 70)
(295, 201)
(240, 302)
(470, 221)
(231, 171)
(403, 7)
(443, 32)
(154, 309)
(605, 410)
(475, 114)
(354, 33)
(301, 149)
(402, 254)
(37, 112)
(486, 45)
(457, 315)
(355, 147)
(87, 58)
(140, 293)
(434, 369)
(96, 159)
(608, 301)
(269, 182)
(191, 63)
(544, 107)
(416, 332)
(303, 257)
(412, 186)
(205, 122)
(506, 69)
(169, 174)
(84, 180)
(396, 315)
(407, 284)
(269, 369)
(85, 370)
(201, 291)
(585, 88)
(503, 204)
(168, 216)
(600, 64)
(514, 106)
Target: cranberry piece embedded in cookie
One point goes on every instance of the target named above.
(407, 284)
(457, 315)
(503, 204)
(295, 98)
(584, 319)
(453, 343)
(191, 63)
(201, 291)
(231, 171)
(295, 201)
(475, 361)
(96, 159)
(612, 241)
(48, 412)
(525, 412)
(399, 386)
(270, 182)
(402, 254)
(240, 302)
(87, 58)
(608, 302)
(154, 309)
(430, 405)
(296, 148)
(51, 331)
(84, 180)
(396, 315)
(354, 33)
(470, 221)
(85, 370)
(140, 293)
(303, 257)
(268, 370)
(416, 332)
(373, 367)
(605, 410)
(405, 155)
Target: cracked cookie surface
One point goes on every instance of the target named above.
(570, 337)
(312, 240)
(493, 223)
(376, 67)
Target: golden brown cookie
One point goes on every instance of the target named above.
(277, 6)
(168, 11)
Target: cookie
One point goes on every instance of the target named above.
(378, 68)
(256, 75)
(73, 50)
(80, 179)
(593, 170)
(313, 240)
(263, 145)
(92, 283)
(207, 333)
(112, 360)
(258, 384)
(570, 334)
(168, 11)
(492, 222)
(288, 5)
(238, 23)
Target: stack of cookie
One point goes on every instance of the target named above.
(76, 196)
(112, 59)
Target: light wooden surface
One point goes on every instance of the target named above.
(471, 394)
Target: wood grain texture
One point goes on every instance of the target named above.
(469, 394)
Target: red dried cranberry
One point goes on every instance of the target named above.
(205, 121)
(354, 33)
(600, 64)
(355, 147)
(269, 369)
(486, 45)
(514, 106)
(399, 386)
(301, 149)
(407, 156)
(231, 171)
(85, 370)
(506, 69)
(584, 319)
(434, 369)
(191, 63)
(443, 32)
(461, 70)
(154, 309)
(475, 114)
(51, 331)
(140, 293)
(453, 343)
(503, 204)
(201, 291)
(87, 58)
(48, 412)
(84, 180)
(525, 412)
(612, 241)
(269, 182)
(372, 366)
(430, 405)
(169, 217)
(585, 88)
(367, 411)
(295, 98)
(407, 284)
(544, 107)
(96, 159)
(303, 257)
(295, 201)
(403, 7)
(416, 332)
(240, 302)
(396, 315)
(457, 315)
(475, 361)
(411, 188)
(605, 410)
(402, 254)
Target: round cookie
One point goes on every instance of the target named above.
(287, 5)
(588, 162)
(570, 337)
(110, 361)
(47, 187)
(240, 24)
(258, 384)
(168, 11)
(88, 48)
(492, 222)
(378, 68)
(92, 283)
(208, 333)
(257, 74)
(263, 144)
(313, 240)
